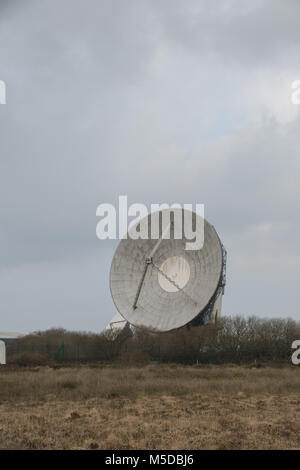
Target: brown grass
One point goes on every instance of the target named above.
(150, 407)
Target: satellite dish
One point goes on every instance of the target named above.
(8, 337)
(159, 285)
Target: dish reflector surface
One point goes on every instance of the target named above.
(175, 288)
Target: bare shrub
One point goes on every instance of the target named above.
(232, 340)
(27, 359)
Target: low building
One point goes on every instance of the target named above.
(9, 337)
(6, 338)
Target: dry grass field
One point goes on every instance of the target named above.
(150, 407)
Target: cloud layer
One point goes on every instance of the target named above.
(165, 102)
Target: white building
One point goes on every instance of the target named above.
(6, 338)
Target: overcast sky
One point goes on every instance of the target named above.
(161, 100)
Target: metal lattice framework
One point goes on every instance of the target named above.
(207, 315)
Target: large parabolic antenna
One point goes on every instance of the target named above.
(160, 285)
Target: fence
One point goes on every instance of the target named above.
(231, 340)
(145, 352)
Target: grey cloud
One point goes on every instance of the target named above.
(256, 33)
(152, 100)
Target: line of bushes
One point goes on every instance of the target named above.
(231, 340)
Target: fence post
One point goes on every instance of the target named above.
(63, 352)
(193, 353)
(48, 351)
(210, 355)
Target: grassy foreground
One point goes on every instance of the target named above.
(150, 407)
